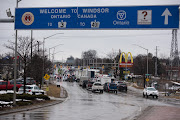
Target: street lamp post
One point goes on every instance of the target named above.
(147, 54)
(53, 47)
(43, 50)
(53, 62)
(147, 59)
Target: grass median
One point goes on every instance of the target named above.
(54, 91)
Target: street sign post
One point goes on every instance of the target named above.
(123, 17)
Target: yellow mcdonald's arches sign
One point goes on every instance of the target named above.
(126, 63)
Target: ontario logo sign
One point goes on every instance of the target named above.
(121, 15)
(27, 18)
(125, 63)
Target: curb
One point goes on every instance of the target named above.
(30, 108)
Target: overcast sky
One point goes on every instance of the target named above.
(104, 41)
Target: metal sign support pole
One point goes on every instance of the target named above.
(15, 64)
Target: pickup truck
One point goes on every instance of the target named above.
(110, 87)
(10, 85)
(97, 86)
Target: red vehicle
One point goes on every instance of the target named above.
(10, 85)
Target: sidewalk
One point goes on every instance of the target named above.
(160, 113)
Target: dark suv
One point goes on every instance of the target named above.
(122, 87)
(84, 83)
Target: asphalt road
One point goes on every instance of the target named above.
(85, 105)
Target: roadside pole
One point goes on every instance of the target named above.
(15, 64)
(96, 63)
(118, 66)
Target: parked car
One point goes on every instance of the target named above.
(10, 85)
(110, 87)
(31, 89)
(122, 87)
(89, 85)
(29, 81)
(84, 83)
(150, 91)
(97, 86)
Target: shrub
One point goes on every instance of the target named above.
(23, 103)
(45, 97)
(26, 96)
(5, 98)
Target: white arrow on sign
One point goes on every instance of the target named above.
(166, 13)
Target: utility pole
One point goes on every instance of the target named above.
(156, 63)
(31, 43)
(118, 66)
(96, 63)
(15, 64)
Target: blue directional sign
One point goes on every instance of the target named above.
(134, 17)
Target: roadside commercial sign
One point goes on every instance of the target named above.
(105, 17)
(126, 72)
(103, 67)
(46, 76)
(125, 63)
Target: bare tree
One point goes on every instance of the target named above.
(23, 51)
(112, 55)
(90, 54)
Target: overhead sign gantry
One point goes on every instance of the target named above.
(124, 17)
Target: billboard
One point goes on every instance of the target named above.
(125, 63)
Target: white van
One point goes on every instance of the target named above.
(82, 78)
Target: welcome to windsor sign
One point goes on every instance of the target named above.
(124, 17)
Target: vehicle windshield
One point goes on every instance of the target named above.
(27, 87)
(113, 85)
(123, 84)
(90, 82)
(98, 84)
(151, 89)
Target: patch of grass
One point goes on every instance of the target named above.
(54, 91)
